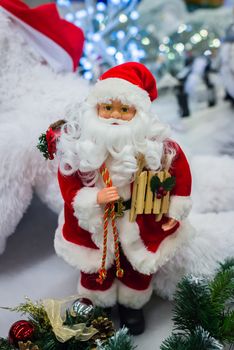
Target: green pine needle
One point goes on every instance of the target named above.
(49, 342)
(227, 328)
(198, 340)
(42, 146)
(203, 312)
(193, 307)
(228, 263)
(174, 342)
(5, 345)
(98, 312)
(120, 341)
(222, 286)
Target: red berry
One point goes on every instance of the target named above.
(161, 189)
(164, 192)
(159, 196)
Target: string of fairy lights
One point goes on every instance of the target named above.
(114, 35)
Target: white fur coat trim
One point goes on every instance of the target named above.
(180, 207)
(137, 253)
(85, 259)
(90, 215)
(116, 88)
(104, 298)
(133, 298)
(87, 211)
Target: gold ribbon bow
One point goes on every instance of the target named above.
(61, 331)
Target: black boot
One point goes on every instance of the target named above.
(133, 319)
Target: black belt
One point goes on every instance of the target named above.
(121, 206)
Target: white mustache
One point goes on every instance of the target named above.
(112, 121)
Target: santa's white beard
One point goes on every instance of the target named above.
(87, 143)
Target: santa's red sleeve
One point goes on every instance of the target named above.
(82, 200)
(180, 200)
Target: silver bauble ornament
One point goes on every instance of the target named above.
(82, 307)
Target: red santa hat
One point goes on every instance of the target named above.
(58, 41)
(131, 83)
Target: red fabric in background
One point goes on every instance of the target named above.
(45, 19)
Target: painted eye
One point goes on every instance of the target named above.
(108, 107)
(125, 109)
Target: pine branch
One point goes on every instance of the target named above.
(203, 312)
(229, 263)
(120, 341)
(202, 340)
(98, 311)
(5, 345)
(193, 307)
(222, 286)
(76, 345)
(174, 342)
(199, 340)
(227, 328)
(49, 342)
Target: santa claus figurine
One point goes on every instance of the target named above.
(114, 142)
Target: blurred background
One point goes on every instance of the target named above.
(178, 40)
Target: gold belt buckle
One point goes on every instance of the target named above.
(120, 208)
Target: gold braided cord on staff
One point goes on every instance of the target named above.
(109, 211)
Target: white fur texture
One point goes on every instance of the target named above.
(213, 218)
(32, 96)
(213, 186)
(139, 256)
(179, 207)
(133, 298)
(213, 242)
(87, 210)
(105, 298)
(121, 89)
(83, 258)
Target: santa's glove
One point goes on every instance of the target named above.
(124, 167)
(153, 155)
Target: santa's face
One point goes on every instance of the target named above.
(115, 111)
(113, 131)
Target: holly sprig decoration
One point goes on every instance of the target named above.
(42, 146)
(48, 140)
(160, 188)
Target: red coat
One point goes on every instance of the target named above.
(79, 235)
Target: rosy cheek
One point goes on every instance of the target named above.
(104, 114)
(129, 116)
